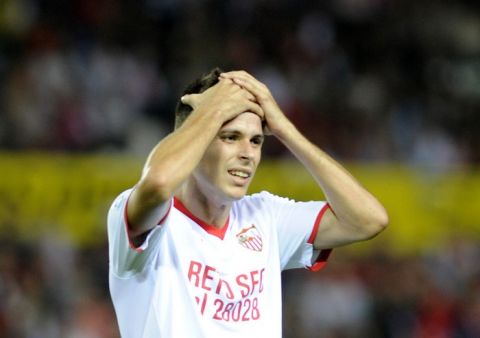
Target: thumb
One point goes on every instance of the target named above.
(189, 99)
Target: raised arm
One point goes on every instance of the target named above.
(355, 214)
(173, 159)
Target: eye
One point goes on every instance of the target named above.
(229, 137)
(257, 140)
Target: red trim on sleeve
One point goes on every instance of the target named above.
(322, 258)
(125, 216)
(311, 239)
(209, 228)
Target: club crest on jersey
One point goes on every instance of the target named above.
(250, 238)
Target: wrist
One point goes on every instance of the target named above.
(205, 118)
(282, 129)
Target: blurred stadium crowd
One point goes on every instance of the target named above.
(370, 80)
(51, 290)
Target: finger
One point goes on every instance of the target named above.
(237, 74)
(249, 95)
(259, 91)
(241, 77)
(237, 86)
(184, 99)
(189, 99)
(256, 109)
(225, 79)
(245, 92)
(256, 88)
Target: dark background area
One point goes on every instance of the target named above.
(369, 81)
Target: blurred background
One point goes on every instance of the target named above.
(390, 88)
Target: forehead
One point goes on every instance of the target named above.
(245, 123)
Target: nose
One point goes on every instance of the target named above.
(246, 151)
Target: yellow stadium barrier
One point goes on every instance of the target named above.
(69, 195)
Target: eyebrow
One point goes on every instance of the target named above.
(260, 136)
(238, 132)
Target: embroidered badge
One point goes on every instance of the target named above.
(250, 238)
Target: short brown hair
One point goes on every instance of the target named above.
(207, 80)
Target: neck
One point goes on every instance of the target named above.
(211, 210)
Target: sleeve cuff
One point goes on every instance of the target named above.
(323, 255)
(321, 260)
(139, 247)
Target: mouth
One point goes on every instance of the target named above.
(243, 174)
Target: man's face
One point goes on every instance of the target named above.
(230, 162)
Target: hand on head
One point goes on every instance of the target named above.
(226, 98)
(273, 115)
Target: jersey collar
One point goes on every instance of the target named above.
(209, 228)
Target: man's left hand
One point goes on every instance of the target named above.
(276, 121)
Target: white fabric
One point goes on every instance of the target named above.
(184, 281)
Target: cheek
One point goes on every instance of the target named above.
(210, 157)
(219, 153)
(258, 157)
(211, 164)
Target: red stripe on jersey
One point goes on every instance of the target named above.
(257, 242)
(254, 245)
(322, 258)
(249, 245)
(316, 225)
(211, 229)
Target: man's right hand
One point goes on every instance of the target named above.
(226, 98)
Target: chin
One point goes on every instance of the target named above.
(236, 195)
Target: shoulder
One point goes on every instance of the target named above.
(120, 201)
(267, 197)
(260, 200)
(260, 197)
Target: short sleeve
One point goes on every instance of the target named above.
(125, 258)
(296, 224)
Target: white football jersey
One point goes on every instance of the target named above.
(190, 279)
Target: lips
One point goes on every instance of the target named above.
(239, 173)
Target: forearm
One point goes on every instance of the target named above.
(356, 214)
(169, 164)
(351, 203)
(174, 158)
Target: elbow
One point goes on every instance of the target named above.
(155, 188)
(377, 222)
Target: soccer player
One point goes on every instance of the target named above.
(191, 255)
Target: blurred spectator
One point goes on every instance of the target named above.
(46, 291)
(334, 304)
(386, 296)
(51, 289)
(386, 81)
